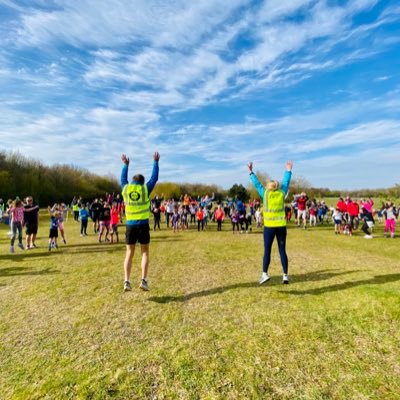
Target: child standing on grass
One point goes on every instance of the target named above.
(53, 234)
(115, 214)
(185, 219)
(61, 209)
(175, 220)
(219, 217)
(84, 218)
(16, 215)
(200, 219)
(390, 213)
(258, 218)
(235, 216)
(337, 217)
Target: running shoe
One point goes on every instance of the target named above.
(127, 286)
(144, 285)
(368, 237)
(12, 249)
(285, 279)
(264, 278)
(49, 247)
(64, 241)
(21, 246)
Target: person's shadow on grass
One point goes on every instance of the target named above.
(307, 277)
(23, 271)
(376, 280)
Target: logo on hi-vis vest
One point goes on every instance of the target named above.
(134, 196)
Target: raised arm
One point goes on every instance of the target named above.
(287, 176)
(124, 173)
(254, 180)
(154, 175)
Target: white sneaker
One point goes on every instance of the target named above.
(285, 279)
(368, 237)
(264, 278)
(144, 285)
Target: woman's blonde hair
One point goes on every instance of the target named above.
(272, 185)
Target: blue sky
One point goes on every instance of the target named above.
(210, 84)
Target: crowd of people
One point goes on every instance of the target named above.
(192, 212)
(272, 211)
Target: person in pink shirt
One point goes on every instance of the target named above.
(115, 214)
(367, 204)
(16, 213)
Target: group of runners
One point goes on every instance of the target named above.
(272, 212)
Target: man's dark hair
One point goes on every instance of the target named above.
(139, 178)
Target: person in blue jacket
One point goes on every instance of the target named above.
(274, 218)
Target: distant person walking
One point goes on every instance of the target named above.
(274, 218)
(16, 213)
(137, 210)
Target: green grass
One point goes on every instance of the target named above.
(206, 330)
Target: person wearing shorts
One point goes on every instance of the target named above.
(105, 218)
(31, 222)
(137, 212)
(95, 210)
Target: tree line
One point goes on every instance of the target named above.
(22, 176)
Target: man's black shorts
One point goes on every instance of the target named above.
(137, 233)
(95, 217)
(31, 229)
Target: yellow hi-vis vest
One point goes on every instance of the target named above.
(274, 208)
(75, 207)
(137, 202)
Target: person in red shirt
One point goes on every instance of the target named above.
(200, 219)
(219, 217)
(353, 209)
(302, 210)
(341, 205)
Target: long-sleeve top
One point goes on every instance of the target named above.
(150, 186)
(284, 185)
(83, 214)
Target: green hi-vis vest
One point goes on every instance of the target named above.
(137, 202)
(274, 208)
(75, 207)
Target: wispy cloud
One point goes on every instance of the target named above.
(209, 84)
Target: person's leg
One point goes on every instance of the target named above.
(281, 234)
(28, 239)
(130, 251)
(14, 232)
(364, 228)
(85, 224)
(145, 248)
(101, 232)
(269, 234)
(392, 227)
(19, 227)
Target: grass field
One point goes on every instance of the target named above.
(206, 329)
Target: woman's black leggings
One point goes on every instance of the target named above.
(269, 236)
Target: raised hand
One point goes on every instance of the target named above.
(250, 166)
(289, 165)
(156, 156)
(125, 159)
